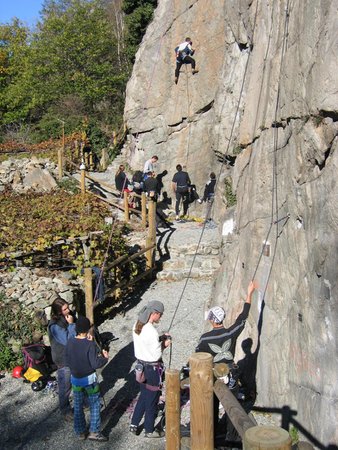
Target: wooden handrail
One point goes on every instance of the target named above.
(126, 283)
(239, 418)
(125, 259)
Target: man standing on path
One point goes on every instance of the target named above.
(61, 328)
(181, 185)
(82, 357)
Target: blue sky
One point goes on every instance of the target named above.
(26, 10)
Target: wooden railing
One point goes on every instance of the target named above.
(202, 389)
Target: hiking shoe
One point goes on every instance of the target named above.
(194, 71)
(154, 434)
(199, 200)
(82, 436)
(97, 437)
(133, 429)
(176, 80)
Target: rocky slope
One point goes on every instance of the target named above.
(267, 95)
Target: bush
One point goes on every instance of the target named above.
(17, 326)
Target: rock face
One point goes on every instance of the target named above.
(266, 96)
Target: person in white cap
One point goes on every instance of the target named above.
(220, 342)
(148, 348)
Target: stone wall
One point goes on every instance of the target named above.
(28, 174)
(267, 94)
(37, 288)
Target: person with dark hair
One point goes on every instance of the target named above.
(159, 178)
(184, 54)
(148, 348)
(209, 189)
(149, 165)
(61, 328)
(121, 179)
(150, 186)
(83, 358)
(181, 185)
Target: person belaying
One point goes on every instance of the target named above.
(148, 347)
(184, 54)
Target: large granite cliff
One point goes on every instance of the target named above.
(267, 94)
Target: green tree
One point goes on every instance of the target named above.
(139, 13)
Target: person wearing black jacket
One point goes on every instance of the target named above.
(83, 358)
(220, 342)
(181, 185)
(209, 189)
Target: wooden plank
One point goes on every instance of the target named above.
(127, 283)
(266, 437)
(172, 410)
(201, 402)
(239, 418)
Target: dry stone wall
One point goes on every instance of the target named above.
(267, 94)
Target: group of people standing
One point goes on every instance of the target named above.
(77, 356)
(147, 181)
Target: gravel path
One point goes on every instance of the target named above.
(31, 421)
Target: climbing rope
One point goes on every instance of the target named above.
(208, 214)
(99, 281)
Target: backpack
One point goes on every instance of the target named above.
(38, 357)
(138, 180)
(181, 54)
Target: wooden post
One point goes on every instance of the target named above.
(144, 209)
(239, 418)
(60, 163)
(91, 161)
(172, 410)
(152, 220)
(76, 148)
(126, 206)
(89, 294)
(149, 254)
(83, 179)
(104, 159)
(201, 402)
(266, 437)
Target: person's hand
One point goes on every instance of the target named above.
(252, 286)
(69, 318)
(105, 354)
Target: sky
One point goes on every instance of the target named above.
(26, 10)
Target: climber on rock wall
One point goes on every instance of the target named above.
(184, 52)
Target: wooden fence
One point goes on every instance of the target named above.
(202, 389)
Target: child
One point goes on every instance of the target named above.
(209, 190)
(83, 358)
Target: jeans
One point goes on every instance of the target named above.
(185, 200)
(148, 400)
(64, 388)
(187, 60)
(82, 396)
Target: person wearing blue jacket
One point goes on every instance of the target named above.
(61, 328)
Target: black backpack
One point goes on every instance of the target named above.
(38, 356)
